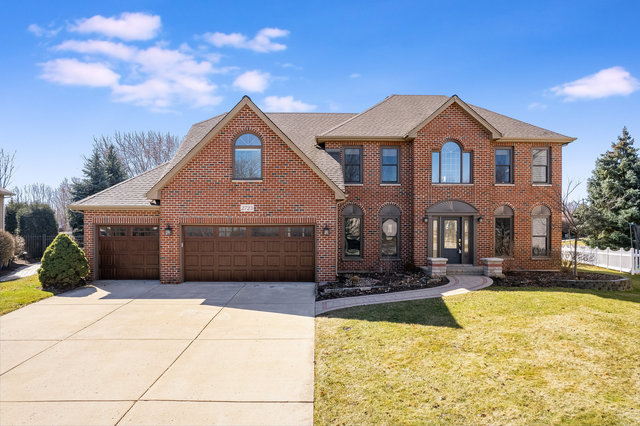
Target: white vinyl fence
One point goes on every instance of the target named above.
(618, 260)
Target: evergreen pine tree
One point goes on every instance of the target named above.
(113, 167)
(95, 180)
(614, 195)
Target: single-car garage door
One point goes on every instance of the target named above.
(128, 252)
(249, 253)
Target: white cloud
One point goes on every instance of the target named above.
(262, 42)
(607, 82)
(536, 105)
(252, 81)
(128, 26)
(354, 75)
(285, 104)
(158, 77)
(39, 31)
(107, 48)
(76, 73)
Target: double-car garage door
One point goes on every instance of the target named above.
(248, 253)
(211, 253)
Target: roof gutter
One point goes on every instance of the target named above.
(80, 207)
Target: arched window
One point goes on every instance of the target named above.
(540, 230)
(352, 233)
(451, 164)
(247, 157)
(389, 231)
(503, 217)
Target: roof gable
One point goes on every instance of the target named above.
(495, 133)
(182, 158)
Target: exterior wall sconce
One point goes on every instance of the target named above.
(168, 231)
(480, 219)
(326, 230)
(426, 219)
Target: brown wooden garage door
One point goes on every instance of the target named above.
(128, 252)
(249, 253)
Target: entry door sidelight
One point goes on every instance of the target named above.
(452, 239)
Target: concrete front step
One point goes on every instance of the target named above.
(464, 270)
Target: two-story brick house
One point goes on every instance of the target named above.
(254, 196)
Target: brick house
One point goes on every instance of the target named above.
(254, 196)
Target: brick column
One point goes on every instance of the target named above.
(437, 266)
(492, 266)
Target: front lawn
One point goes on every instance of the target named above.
(499, 355)
(18, 293)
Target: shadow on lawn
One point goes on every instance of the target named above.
(433, 312)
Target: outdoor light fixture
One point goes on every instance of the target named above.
(480, 219)
(168, 230)
(426, 219)
(325, 231)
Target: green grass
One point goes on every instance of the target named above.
(499, 355)
(19, 293)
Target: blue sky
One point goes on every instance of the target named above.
(75, 69)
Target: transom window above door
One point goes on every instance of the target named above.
(451, 164)
(247, 157)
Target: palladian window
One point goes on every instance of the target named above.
(390, 231)
(451, 164)
(247, 157)
(352, 239)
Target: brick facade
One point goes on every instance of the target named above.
(204, 192)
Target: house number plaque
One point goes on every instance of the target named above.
(247, 207)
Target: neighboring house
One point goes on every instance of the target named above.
(253, 196)
(3, 193)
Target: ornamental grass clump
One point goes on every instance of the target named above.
(64, 265)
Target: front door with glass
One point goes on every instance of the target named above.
(453, 239)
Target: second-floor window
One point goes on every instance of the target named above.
(451, 164)
(540, 165)
(247, 157)
(353, 164)
(504, 165)
(389, 164)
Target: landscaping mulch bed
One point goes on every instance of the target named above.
(349, 285)
(585, 280)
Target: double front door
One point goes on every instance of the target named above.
(453, 239)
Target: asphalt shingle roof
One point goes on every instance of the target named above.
(394, 117)
(129, 193)
(397, 115)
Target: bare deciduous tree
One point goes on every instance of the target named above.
(139, 151)
(7, 167)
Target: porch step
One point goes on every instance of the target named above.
(464, 270)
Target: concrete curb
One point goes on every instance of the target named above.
(458, 284)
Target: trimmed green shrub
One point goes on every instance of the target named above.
(36, 219)
(10, 215)
(7, 247)
(64, 265)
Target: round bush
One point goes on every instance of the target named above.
(7, 247)
(64, 265)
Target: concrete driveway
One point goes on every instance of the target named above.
(137, 352)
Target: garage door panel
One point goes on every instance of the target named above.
(128, 252)
(269, 253)
(306, 246)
